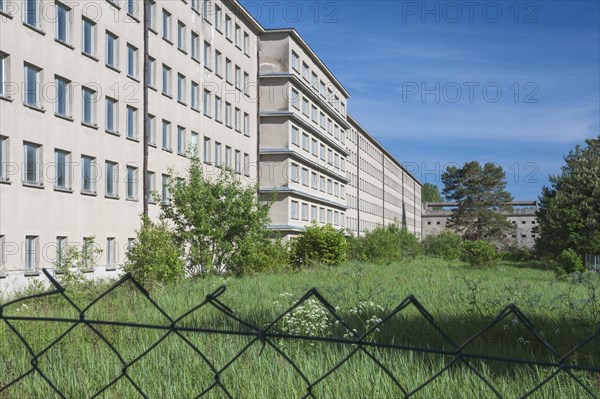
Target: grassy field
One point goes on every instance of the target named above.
(461, 300)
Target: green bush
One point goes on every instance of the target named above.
(262, 256)
(388, 244)
(518, 253)
(446, 245)
(568, 262)
(478, 253)
(154, 257)
(319, 244)
(354, 248)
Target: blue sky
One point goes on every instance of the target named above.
(438, 82)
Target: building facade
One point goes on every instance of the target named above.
(259, 102)
(523, 217)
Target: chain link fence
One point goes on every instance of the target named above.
(267, 336)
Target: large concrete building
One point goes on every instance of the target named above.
(523, 216)
(257, 101)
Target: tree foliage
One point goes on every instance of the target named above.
(431, 193)
(154, 257)
(385, 245)
(319, 244)
(481, 197)
(218, 222)
(446, 245)
(478, 253)
(569, 212)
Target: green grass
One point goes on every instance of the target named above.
(460, 299)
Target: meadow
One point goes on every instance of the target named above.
(460, 299)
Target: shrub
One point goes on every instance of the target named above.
(354, 248)
(74, 262)
(319, 244)
(478, 253)
(389, 244)
(518, 253)
(154, 257)
(446, 245)
(568, 262)
(262, 255)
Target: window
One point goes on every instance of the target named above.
(227, 114)
(305, 141)
(218, 113)
(329, 187)
(110, 253)
(207, 60)
(228, 76)
(295, 175)
(131, 182)
(336, 218)
(166, 25)
(166, 135)
(110, 120)
(181, 140)
(33, 162)
(151, 72)
(165, 188)
(151, 186)
(63, 23)
(314, 180)
(63, 165)
(132, 63)
(238, 162)
(246, 43)
(322, 89)
(218, 163)
(228, 157)
(194, 143)
(315, 147)
(89, 37)
(237, 120)
(304, 176)
(131, 7)
(218, 18)
(3, 73)
(32, 85)
(246, 124)
(321, 215)
(329, 156)
(305, 106)
(207, 150)
(151, 130)
(323, 152)
(322, 120)
(294, 210)
(314, 81)
(295, 98)
(206, 100)
(31, 12)
(238, 77)
(304, 211)
(228, 27)
(181, 88)
(131, 122)
(295, 136)
(196, 5)
(195, 46)
(88, 106)
(246, 84)
(206, 9)
(329, 213)
(295, 61)
(111, 179)
(152, 15)
(88, 174)
(63, 97)
(246, 164)
(166, 80)
(238, 37)
(112, 49)
(336, 160)
(195, 96)
(218, 62)
(181, 35)
(3, 158)
(61, 248)
(305, 71)
(31, 253)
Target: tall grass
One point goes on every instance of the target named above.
(460, 299)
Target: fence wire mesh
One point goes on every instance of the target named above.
(267, 336)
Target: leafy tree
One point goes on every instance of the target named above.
(388, 244)
(319, 244)
(478, 253)
(446, 245)
(154, 256)
(569, 212)
(481, 197)
(217, 222)
(431, 193)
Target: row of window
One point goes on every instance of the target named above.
(318, 117)
(370, 208)
(213, 14)
(300, 211)
(317, 148)
(370, 188)
(317, 181)
(319, 86)
(368, 168)
(226, 157)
